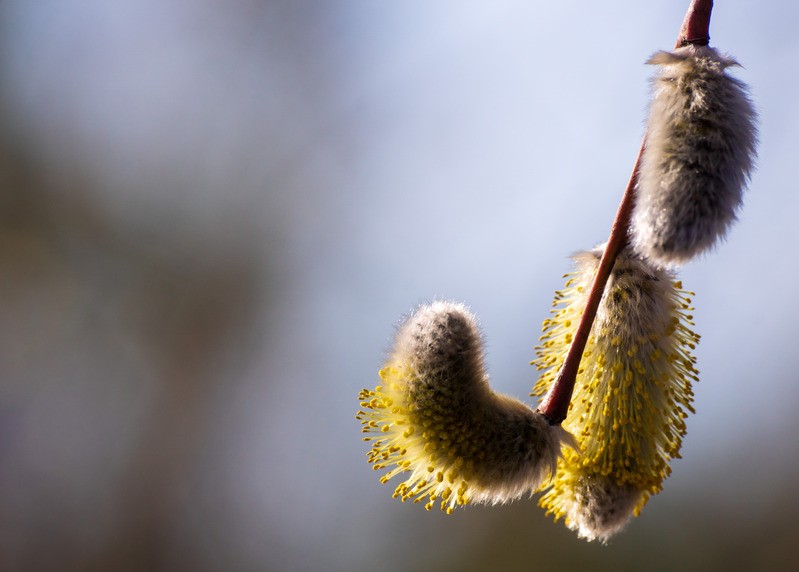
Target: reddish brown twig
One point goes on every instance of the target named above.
(696, 25)
(555, 404)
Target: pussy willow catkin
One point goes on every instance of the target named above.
(632, 393)
(435, 417)
(700, 151)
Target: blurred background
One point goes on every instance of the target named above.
(214, 214)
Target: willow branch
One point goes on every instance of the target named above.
(555, 404)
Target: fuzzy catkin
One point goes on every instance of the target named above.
(632, 391)
(699, 155)
(436, 417)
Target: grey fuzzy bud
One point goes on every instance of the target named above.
(699, 155)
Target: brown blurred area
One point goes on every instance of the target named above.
(125, 329)
(116, 345)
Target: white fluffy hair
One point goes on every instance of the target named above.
(602, 507)
(700, 151)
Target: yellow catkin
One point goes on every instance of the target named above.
(435, 419)
(632, 393)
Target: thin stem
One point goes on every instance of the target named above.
(555, 404)
(696, 25)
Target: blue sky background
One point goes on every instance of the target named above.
(358, 158)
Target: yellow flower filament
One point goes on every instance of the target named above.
(633, 388)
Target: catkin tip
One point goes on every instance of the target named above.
(602, 507)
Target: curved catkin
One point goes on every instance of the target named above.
(435, 417)
(631, 396)
(700, 151)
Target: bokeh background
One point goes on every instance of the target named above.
(214, 213)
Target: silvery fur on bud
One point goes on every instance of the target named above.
(700, 151)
